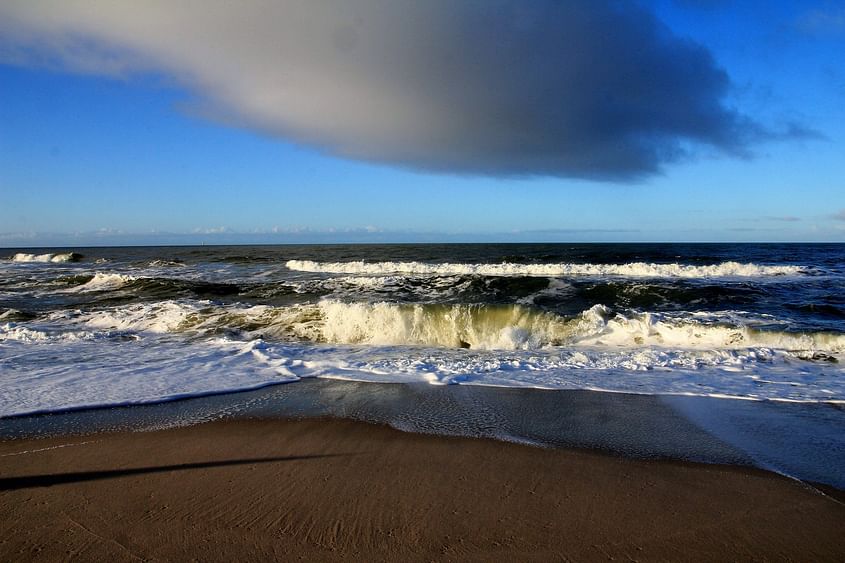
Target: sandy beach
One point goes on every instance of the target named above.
(328, 489)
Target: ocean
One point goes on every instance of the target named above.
(88, 327)
(721, 353)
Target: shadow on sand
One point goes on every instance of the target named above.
(26, 482)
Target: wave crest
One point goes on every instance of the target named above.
(103, 282)
(56, 257)
(475, 326)
(633, 269)
(465, 326)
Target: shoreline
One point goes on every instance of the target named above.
(804, 441)
(332, 489)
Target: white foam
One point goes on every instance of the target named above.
(58, 257)
(557, 288)
(635, 269)
(14, 332)
(476, 326)
(196, 318)
(515, 327)
(148, 352)
(99, 370)
(162, 317)
(716, 373)
(131, 372)
(103, 282)
(601, 328)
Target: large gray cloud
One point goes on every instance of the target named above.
(578, 88)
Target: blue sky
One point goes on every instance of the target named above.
(130, 152)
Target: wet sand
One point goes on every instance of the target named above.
(323, 490)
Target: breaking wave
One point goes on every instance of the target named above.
(634, 269)
(512, 327)
(103, 282)
(474, 326)
(156, 351)
(58, 257)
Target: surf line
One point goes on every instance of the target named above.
(50, 448)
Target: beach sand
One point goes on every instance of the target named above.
(327, 489)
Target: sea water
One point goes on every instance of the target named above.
(83, 327)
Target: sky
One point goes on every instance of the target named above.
(402, 121)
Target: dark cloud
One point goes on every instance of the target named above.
(582, 88)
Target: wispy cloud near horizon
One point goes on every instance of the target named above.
(826, 20)
(581, 89)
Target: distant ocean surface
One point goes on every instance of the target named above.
(112, 326)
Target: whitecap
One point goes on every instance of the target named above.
(634, 269)
(52, 257)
